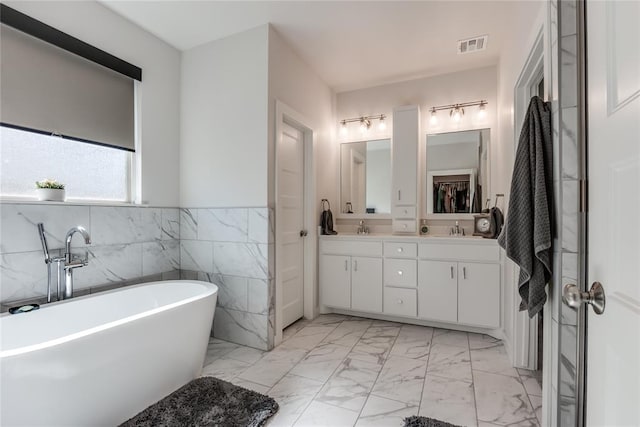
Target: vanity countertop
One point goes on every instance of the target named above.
(429, 238)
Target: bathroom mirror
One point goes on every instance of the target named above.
(365, 177)
(457, 173)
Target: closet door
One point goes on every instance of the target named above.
(438, 290)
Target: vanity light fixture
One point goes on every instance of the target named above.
(365, 123)
(456, 111)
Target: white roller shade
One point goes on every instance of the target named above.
(48, 89)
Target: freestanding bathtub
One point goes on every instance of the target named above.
(101, 359)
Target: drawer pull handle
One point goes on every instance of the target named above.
(406, 212)
(399, 272)
(464, 273)
(404, 226)
(452, 272)
(399, 195)
(399, 249)
(400, 301)
(355, 265)
(346, 265)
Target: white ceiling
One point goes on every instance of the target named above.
(350, 44)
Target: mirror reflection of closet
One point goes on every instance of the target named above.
(365, 177)
(457, 173)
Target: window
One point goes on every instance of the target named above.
(55, 84)
(88, 171)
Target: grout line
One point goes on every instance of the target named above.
(473, 382)
(426, 370)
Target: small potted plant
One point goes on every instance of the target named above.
(51, 190)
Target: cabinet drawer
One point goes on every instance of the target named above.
(400, 272)
(404, 226)
(351, 247)
(459, 252)
(401, 302)
(404, 212)
(400, 250)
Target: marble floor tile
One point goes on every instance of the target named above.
(380, 412)
(450, 362)
(251, 386)
(492, 359)
(246, 354)
(536, 404)
(401, 379)
(477, 341)
(413, 342)
(375, 344)
(501, 399)
(218, 348)
(321, 362)
(309, 336)
(350, 385)
(322, 414)
(225, 369)
(328, 319)
(293, 329)
(448, 337)
(531, 385)
(293, 394)
(448, 400)
(348, 333)
(273, 366)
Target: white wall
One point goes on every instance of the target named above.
(159, 91)
(471, 85)
(223, 150)
(294, 83)
(531, 17)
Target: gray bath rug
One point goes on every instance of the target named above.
(416, 421)
(207, 401)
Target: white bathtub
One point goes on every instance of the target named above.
(101, 359)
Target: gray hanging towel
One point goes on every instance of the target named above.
(528, 232)
(326, 219)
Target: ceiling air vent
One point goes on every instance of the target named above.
(474, 44)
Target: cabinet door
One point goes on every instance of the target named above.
(366, 284)
(479, 294)
(406, 122)
(335, 281)
(438, 290)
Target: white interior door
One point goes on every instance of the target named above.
(613, 338)
(290, 209)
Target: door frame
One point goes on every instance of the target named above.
(286, 114)
(525, 330)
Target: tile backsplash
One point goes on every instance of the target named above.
(232, 248)
(127, 243)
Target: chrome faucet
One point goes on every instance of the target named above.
(456, 231)
(362, 229)
(71, 263)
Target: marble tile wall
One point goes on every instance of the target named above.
(234, 248)
(128, 243)
(569, 220)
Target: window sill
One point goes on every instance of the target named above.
(68, 202)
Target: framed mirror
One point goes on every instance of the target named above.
(457, 166)
(365, 178)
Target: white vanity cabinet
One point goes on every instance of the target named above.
(443, 280)
(349, 281)
(404, 168)
(466, 293)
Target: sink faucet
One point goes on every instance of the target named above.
(457, 231)
(69, 262)
(362, 229)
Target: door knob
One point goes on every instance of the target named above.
(303, 233)
(574, 297)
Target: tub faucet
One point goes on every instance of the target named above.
(71, 263)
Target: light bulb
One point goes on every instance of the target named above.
(456, 114)
(482, 112)
(343, 128)
(434, 118)
(382, 125)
